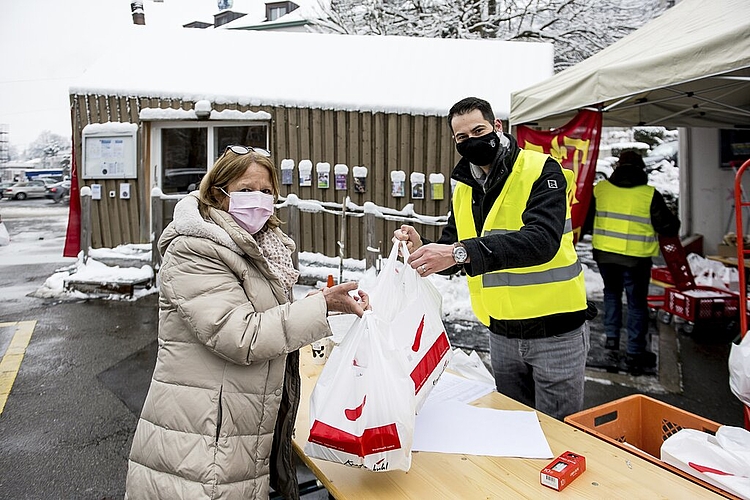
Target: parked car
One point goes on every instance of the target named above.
(58, 192)
(182, 180)
(27, 189)
(48, 181)
(4, 185)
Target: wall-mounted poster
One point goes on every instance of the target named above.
(305, 173)
(324, 173)
(417, 185)
(340, 172)
(287, 171)
(360, 179)
(398, 179)
(109, 151)
(437, 185)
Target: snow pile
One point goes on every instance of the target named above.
(95, 272)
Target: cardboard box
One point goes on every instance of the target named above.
(727, 250)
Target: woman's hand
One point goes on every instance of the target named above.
(338, 299)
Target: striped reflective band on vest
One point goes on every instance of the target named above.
(628, 217)
(625, 236)
(568, 228)
(549, 276)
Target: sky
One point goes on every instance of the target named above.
(53, 41)
(92, 46)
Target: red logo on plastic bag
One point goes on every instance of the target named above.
(372, 440)
(430, 361)
(355, 413)
(418, 337)
(704, 469)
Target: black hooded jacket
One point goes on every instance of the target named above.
(536, 243)
(665, 222)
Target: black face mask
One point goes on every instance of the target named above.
(480, 150)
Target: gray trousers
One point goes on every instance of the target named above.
(546, 374)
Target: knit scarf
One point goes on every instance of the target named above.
(279, 259)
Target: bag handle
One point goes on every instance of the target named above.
(393, 256)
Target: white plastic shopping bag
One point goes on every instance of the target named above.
(723, 460)
(362, 407)
(471, 366)
(413, 307)
(739, 369)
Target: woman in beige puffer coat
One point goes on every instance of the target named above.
(218, 419)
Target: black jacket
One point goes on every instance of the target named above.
(665, 222)
(536, 243)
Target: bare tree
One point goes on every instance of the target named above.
(47, 145)
(577, 28)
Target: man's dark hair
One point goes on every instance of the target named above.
(469, 104)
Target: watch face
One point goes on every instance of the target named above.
(459, 255)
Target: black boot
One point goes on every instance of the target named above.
(637, 364)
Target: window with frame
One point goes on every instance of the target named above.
(275, 10)
(184, 152)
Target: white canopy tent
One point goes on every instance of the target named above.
(690, 67)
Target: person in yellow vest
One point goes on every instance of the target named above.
(628, 217)
(510, 230)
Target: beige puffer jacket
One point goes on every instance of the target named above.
(227, 360)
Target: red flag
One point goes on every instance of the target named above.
(73, 235)
(576, 146)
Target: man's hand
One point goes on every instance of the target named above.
(410, 236)
(432, 258)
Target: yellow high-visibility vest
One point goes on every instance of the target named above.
(554, 287)
(623, 220)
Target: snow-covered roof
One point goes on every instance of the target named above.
(186, 11)
(347, 72)
(307, 9)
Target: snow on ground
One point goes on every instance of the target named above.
(26, 249)
(37, 246)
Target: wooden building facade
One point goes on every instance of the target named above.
(359, 101)
(380, 142)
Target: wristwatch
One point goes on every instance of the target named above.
(459, 253)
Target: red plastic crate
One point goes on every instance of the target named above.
(676, 259)
(701, 303)
(661, 273)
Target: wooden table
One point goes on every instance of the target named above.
(729, 261)
(610, 471)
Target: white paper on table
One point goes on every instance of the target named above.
(452, 427)
(454, 388)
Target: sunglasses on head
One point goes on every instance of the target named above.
(243, 150)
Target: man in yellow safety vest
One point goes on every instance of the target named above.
(510, 230)
(628, 217)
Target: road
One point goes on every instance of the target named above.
(66, 427)
(82, 368)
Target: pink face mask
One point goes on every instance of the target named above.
(250, 209)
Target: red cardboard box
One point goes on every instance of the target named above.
(563, 470)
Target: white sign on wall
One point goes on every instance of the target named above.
(109, 151)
